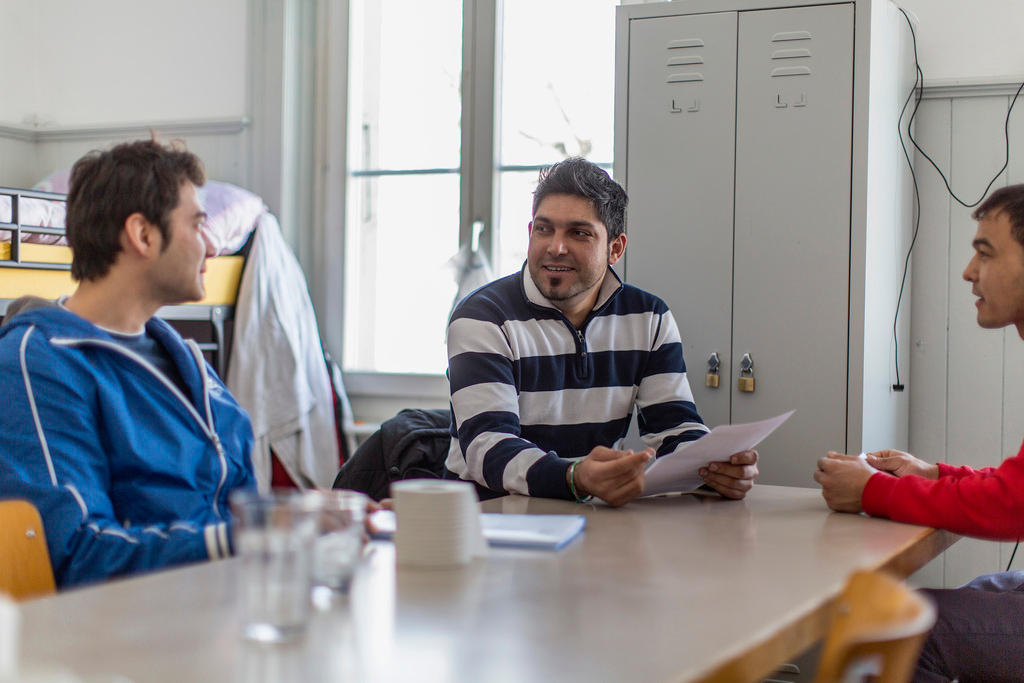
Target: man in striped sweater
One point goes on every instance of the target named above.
(546, 365)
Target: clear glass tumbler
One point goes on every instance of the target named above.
(274, 538)
(341, 538)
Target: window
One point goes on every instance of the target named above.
(411, 196)
(402, 218)
(556, 100)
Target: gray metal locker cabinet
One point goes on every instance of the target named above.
(756, 210)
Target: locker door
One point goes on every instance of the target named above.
(679, 175)
(792, 240)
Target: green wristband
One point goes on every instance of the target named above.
(572, 483)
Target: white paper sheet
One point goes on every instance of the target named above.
(678, 471)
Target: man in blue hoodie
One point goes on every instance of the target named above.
(115, 427)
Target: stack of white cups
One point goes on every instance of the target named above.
(437, 523)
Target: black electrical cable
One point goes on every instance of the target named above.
(918, 88)
(918, 80)
(1012, 555)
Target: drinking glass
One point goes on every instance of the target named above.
(274, 536)
(339, 543)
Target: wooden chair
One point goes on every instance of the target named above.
(25, 570)
(877, 631)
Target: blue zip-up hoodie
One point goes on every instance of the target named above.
(127, 472)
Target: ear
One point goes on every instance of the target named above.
(616, 248)
(529, 228)
(140, 237)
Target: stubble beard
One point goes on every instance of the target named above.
(552, 289)
(179, 292)
(580, 288)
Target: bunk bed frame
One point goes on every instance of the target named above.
(44, 270)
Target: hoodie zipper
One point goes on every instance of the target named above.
(206, 427)
(197, 356)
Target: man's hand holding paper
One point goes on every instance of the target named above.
(733, 477)
(701, 461)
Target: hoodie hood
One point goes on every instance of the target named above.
(53, 321)
(49, 318)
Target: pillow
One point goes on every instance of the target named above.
(231, 214)
(58, 181)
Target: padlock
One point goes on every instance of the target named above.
(745, 382)
(711, 378)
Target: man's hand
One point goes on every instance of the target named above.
(901, 464)
(843, 478)
(734, 477)
(616, 477)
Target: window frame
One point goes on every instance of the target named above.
(476, 168)
(480, 135)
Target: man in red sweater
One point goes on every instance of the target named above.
(980, 631)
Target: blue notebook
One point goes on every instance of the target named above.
(546, 532)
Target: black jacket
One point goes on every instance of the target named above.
(411, 445)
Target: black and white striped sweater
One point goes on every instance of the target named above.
(530, 392)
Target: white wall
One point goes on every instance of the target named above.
(979, 39)
(17, 75)
(80, 76)
(66, 63)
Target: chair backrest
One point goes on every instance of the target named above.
(877, 629)
(25, 569)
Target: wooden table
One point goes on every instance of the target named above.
(668, 589)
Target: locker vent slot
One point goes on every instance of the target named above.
(688, 42)
(787, 36)
(684, 61)
(685, 78)
(791, 71)
(791, 54)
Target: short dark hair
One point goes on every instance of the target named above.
(1008, 200)
(581, 178)
(109, 186)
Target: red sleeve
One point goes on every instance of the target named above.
(987, 503)
(951, 471)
